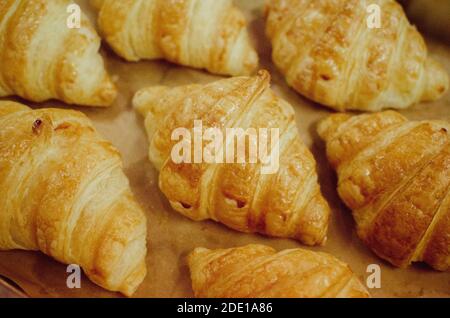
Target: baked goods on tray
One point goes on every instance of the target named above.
(62, 189)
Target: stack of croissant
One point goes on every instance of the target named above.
(63, 191)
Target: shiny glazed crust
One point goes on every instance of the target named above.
(287, 203)
(63, 192)
(395, 176)
(41, 58)
(206, 34)
(258, 271)
(328, 53)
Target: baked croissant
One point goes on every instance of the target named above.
(205, 34)
(63, 192)
(328, 53)
(41, 58)
(258, 271)
(395, 176)
(285, 202)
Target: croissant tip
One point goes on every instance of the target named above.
(192, 256)
(108, 97)
(327, 126)
(264, 74)
(103, 93)
(143, 97)
(437, 81)
(107, 93)
(130, 288)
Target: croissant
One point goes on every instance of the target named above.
(258, 271)
(284, 202)
(205, 34)
(330, 52)
(395, 176)
(63, 192)
(41, 58)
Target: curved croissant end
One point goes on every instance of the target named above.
(437, 81)
(206, 34)
(286, 203)
(329, 54)
(41, 58)
(395, 176)
(63, 192)
(258, 271)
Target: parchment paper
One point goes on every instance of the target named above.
(171, 236)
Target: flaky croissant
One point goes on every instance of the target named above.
(205, 34)
(328, 53)
(63, 192)
(282, 203)
(258, 271)
(395, 176)
(41, 58)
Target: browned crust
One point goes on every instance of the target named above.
(257, 271)
(395, 175)
(226, 48)
(401, 225)
(328, 53)
(287, 203)
(71, 199)
(37, 72)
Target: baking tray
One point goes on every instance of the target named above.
(171, 236)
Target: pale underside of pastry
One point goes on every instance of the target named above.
(41, 58)
(63, 192)
(328, 53)
(258, 271)
(287, 203)
(205, 34)
(395, 176)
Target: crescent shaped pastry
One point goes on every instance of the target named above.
(395, 176)
(63, 192)
(258, 271)
(41, 58)
(330, 52)
(205, 34)
(285, 201)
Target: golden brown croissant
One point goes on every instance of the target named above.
(206, 34)
(395, 176)
(258, 271)
(329, 54)
(284, 203)
(63, 192)
(42, 58)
